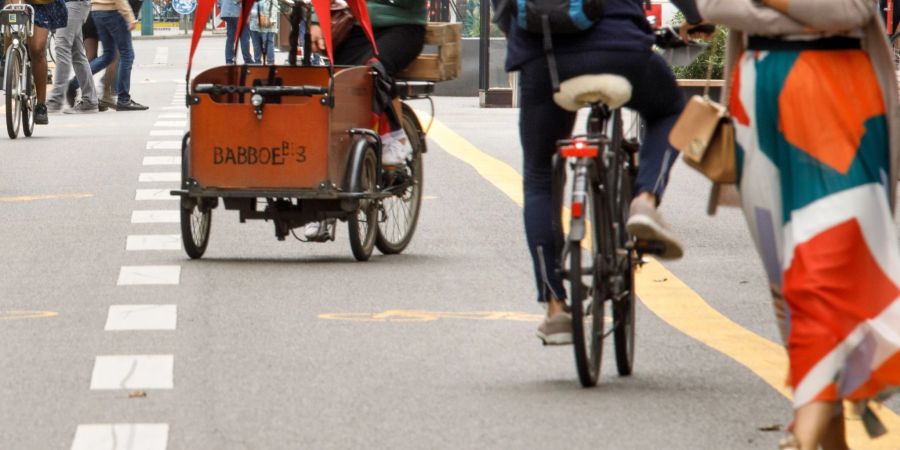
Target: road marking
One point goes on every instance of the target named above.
(116, 372)
(673, 301)
(162, 56)
(155, 216)
(146, 242)
(121, 436)
(175, 108)
(170, 123)
(154, 177)
(166, 133)
(163, 145)
(182, 116)
(31, 198)
(400, 315)
(141, 317)
(162, 160)
(149, 275)
(21, 315)
(154, 194)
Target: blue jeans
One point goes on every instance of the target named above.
(231, 29)
(541, 123)
(115, 37)
(263, 40)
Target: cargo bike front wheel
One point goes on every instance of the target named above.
(196, 216)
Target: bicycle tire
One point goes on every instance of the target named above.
(11, 80)
(623, 313)
(399, 215)
(29, 105)
(196, 221)
(363, 223)
(585, 299)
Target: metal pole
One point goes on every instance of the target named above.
(147, 18)
(484, 49)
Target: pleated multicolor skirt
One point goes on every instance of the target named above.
(814, 165)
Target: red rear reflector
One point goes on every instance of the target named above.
(577, 209)
(579, 150)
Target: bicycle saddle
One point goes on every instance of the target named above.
(574, 93)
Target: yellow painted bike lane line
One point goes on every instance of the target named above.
(672, 300)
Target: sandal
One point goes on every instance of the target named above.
(789, 442)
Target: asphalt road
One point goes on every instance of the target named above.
(287, 345)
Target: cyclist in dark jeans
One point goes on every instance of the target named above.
(619, 43)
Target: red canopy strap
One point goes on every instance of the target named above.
(204, 8)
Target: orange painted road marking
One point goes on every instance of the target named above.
(31, 198)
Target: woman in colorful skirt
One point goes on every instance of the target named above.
(813, 95)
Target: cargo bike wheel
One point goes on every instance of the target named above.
(399, 213)
(196, 214)
(363, 223)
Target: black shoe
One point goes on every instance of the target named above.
(71, 93)
(40, 114)
(131, 106)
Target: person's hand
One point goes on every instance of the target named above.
(317, 40)
(131, 25)
(704, 31)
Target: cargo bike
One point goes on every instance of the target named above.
(293, 145)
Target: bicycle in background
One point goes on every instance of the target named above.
(17, 26)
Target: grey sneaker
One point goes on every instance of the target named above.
(646, 224)
(82, 108)
(53, 107)
(556, 329)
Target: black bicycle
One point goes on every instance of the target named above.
(17, 24)
(593, 178)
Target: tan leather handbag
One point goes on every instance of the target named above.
(704, 134)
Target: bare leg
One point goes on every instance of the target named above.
(812, 422)
(835, 437)
(37, 45)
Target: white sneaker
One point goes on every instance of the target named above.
(395, 148)
(319, 231)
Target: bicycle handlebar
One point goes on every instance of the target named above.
(305, 90)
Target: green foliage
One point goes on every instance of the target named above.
(697, 69)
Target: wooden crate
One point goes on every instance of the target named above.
(444, 65)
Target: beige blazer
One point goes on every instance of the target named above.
(812, 16)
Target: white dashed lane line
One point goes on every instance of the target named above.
(120, 372)
(154, 194)
(141, 317)
(163, 145)
(154, 177)
(149, 242)
(170, 124)
(121, 436)
(149, 275)
(162, 160)
(173, 116)
(162, 56)
(155, 216)
(166, 133)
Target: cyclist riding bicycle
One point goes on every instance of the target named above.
(618, 43)
(47, 16)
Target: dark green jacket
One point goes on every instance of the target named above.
(386, 13)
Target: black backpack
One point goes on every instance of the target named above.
(548, 17)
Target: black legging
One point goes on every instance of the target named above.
(541, 123)
(397, 46)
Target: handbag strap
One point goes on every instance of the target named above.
(709, 64)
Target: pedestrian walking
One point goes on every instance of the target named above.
(263, 28)
(231, 12)
(114, 21)
(70, 54)
(48, 16)
(106, 90)
(813, 95)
